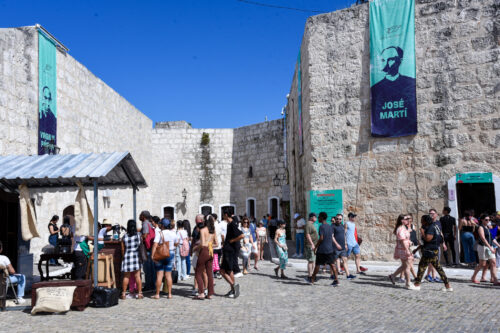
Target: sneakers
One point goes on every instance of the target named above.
(238, 275)
(236, 290)
(294, 255)
(450, 289)
(363, 269)
(335, 283)
(300, 256)
(429, 278)
(230, 294)
(351, 277)
(436, 279)
(21, 301)
(412, 287)
(401, 280)
(307, 279)
(194, 292)
(130, 296)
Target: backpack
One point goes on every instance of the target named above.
(184, 250)
(148, 241)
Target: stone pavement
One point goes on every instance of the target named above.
(367, 304)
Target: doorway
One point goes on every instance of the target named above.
(251, 212)
(9, 226)
(229, 209)
(274, 207)
(479, 197)
(206, 210)
(169, 212)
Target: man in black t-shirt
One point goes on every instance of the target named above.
(449, 228)
(325, 249)
(230, 252)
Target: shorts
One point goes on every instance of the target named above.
(166, 264)
(262, 239)
(309, 254)
(339, 254)
(353, 249)
(325, 258)
(229, 261)
(484, 253)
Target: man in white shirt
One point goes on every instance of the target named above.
(299, 236)
(20, 279)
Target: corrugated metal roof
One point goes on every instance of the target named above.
(110, 169)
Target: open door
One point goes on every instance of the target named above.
(9, 225)
(479, 197)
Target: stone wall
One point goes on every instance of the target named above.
(92, 117)
(457, 48)
(181, 161)
(215, 173)
(260, 147)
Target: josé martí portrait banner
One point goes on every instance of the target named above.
(392, 68)
(47, 98)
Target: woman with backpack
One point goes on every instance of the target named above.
(182, 251)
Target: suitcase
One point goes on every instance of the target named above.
(103, 297)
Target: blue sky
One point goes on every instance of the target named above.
(215, 64)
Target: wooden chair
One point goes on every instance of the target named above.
(106, 272)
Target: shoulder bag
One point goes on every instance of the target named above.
(143, 254)
(162, 250)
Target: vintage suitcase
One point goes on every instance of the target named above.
(103, 297)
(81, 297)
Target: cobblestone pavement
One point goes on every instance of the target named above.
(367, 304)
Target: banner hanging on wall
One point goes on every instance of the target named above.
(392, 68)
(299, 101)
(47, 98)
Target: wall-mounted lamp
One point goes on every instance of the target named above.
(184, 194)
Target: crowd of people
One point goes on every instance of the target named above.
(213, 248)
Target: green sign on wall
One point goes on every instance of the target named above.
(480, 177)
(328, 201)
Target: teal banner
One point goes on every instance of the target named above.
(392, 68)
(299, 101)
(47, 95)
(482, 177)
(328, 201)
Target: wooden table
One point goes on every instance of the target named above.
(66, 257)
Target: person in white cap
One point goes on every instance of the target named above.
(299, 236)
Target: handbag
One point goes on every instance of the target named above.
(143, 253)
(175, 276)
(162, 250)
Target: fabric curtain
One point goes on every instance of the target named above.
(84, 219)
(28, 217)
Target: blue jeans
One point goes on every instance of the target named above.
(53, 242)
(468, 245)
(149, 273)
(180, 264)
(20, 279)
(299, 244)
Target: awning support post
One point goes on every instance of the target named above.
(134, 203)
(96, 233)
